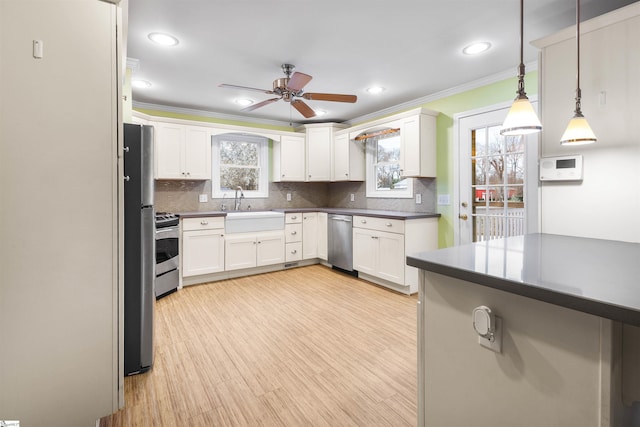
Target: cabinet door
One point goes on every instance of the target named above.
(391, 259)
(365, 251)
(197, 153)
(410, 146)
(340, 157)
(323, 236)
(169, 141)
(202, 252)
(240, 252)
(270, 249)
(319, 154)
(310, 235)
(292, 158)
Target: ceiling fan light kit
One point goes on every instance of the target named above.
(289, 89)
(522, 118)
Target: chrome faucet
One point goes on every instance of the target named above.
(238, 200)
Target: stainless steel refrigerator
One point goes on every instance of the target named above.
(139, 248)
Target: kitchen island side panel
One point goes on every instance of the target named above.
(548, 373)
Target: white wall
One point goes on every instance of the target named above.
(58, 212)
(606, 204)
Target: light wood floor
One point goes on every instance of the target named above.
(301, 347)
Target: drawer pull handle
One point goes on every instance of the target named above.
(364, 221)
(293, 233)
(294, 217)
(294, 251)
(374, 237)
(203, 222)
(389, 224)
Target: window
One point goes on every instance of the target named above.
(239, 160)
(383, 167)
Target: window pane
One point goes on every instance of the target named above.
(479, 175)
(238, 153)
(514, 144)
(388, 178)
(232, 177)
(388, 150)
(515, 168)
(496, 170)
(495, 141)
(515, 194)
(478, 142)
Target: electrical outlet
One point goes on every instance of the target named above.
(288, 197)
(353, 197)
(418, 198)
(203, 198)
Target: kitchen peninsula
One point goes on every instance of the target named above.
(568, 307)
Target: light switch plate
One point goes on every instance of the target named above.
(418, 198)
(288, 197)
(203, 198)
(353, 197)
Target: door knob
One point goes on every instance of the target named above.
(463, 217)
(464, 204)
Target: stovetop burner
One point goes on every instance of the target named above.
(166, 219)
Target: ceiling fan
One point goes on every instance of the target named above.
(289, 89)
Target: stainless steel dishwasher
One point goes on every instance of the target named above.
(341, 242)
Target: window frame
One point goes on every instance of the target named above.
(371, 147)
(263, 164)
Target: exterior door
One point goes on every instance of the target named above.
(497, 194)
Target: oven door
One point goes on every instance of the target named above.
(166, 249)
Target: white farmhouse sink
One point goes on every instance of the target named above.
(248, 221)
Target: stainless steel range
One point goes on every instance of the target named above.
(167, 244)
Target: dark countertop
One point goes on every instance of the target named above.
(600, 277)
(342, 211)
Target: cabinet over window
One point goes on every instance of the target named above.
(182, 152)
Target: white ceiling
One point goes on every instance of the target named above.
(410, 47)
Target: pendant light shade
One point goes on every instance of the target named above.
(522, 118)
(578, 131)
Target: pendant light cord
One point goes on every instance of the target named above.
(578, 110)
(521, 71)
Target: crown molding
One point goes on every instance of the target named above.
(213, 115)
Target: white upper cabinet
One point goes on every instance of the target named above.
(182, 152)
(348, 159)
(289, 159)
(418, 146)
(318, 144)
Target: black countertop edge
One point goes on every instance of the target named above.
(343, 211)
(585, 305)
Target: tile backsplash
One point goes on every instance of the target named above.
(182, 196)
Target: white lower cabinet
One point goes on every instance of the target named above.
(379, 253)
(202, 246)
(380, 247)
(310, 235)
(323, 236)
(248, 250)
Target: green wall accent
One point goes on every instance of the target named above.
(495, 93)
(181, 116)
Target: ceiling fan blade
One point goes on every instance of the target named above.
(330, 97)
(260, 104)
(270, 92)
(303, 108)
(298, 81)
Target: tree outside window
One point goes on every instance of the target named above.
(240, 161)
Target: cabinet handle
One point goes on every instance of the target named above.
(346, 174)
(127, 178)
(293, 233)
(389, 224)
(254, 242)
(294, 217)
(188, 173)
(374, 237)
(125, 149)
(259, 242)
(364, 221)
(203, 222)
(294, 251)
(283, 175)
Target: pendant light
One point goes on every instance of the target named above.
(522, 118)
(578, 131)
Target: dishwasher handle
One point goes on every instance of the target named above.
(341, 219)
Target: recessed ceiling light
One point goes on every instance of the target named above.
(475, 48)
(374, 90)
(140, 84)
(243, 101)
(163, 39)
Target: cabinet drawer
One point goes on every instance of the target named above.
(380, 224)
(293, 233)
(203, 223)
(293, 251)
(293, 218)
